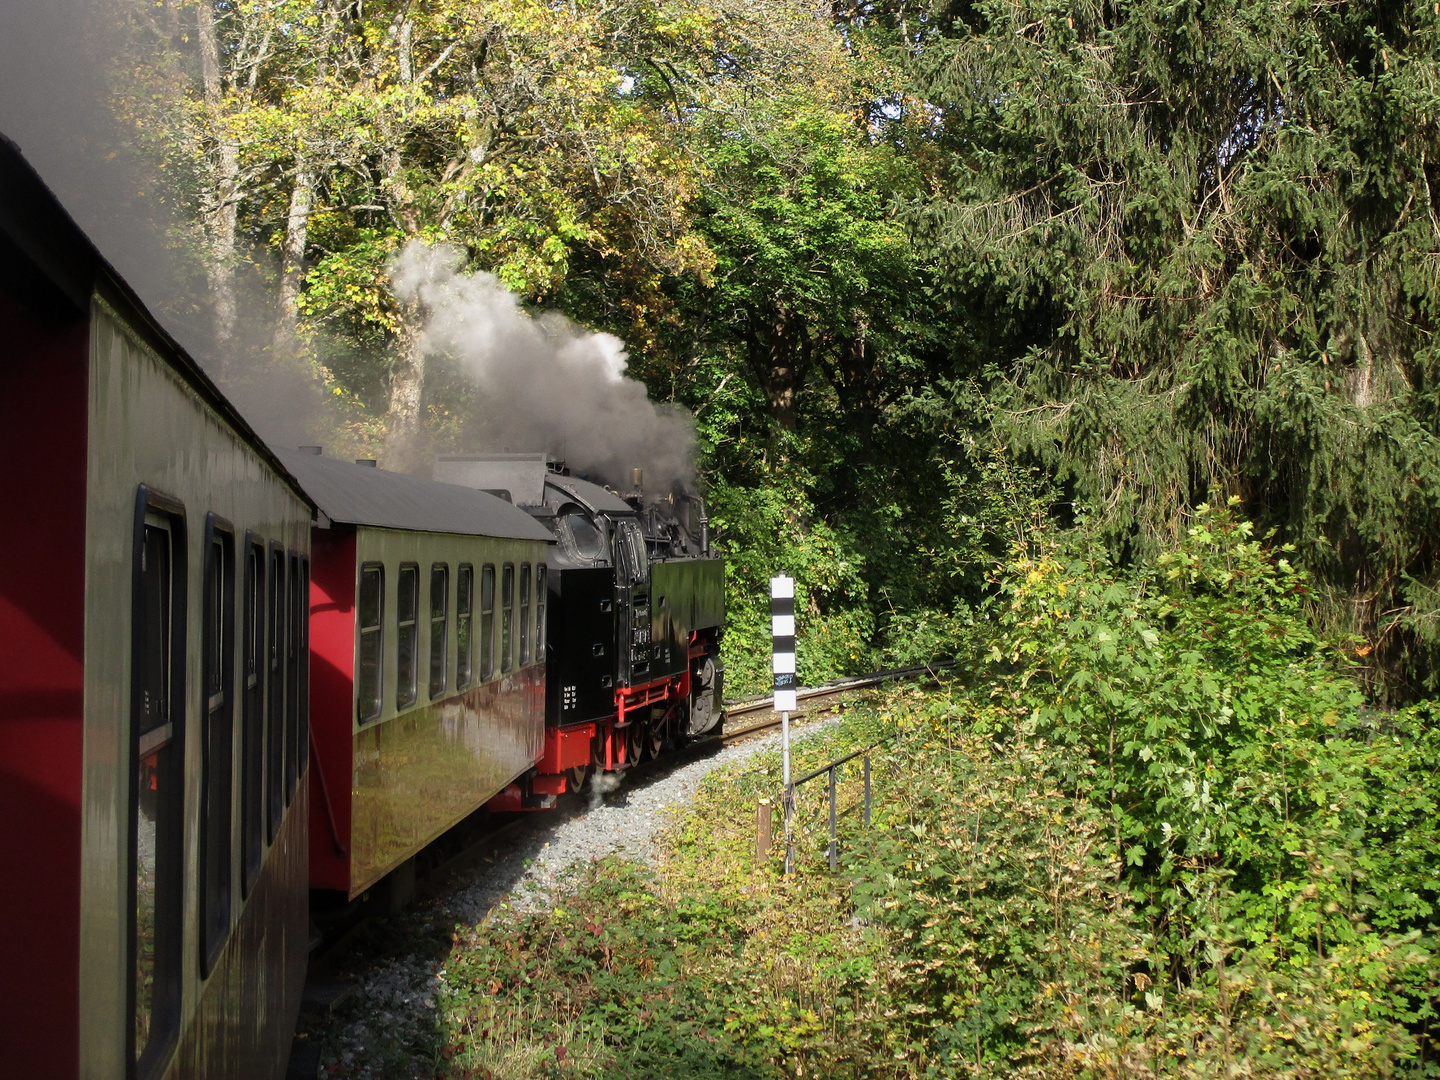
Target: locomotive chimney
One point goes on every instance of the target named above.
(636, 476)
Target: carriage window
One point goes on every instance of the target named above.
(507, 617)
(464, 610)
(407, 633)
(439, 627)
(252, 719)
(275, 682)
(367, 688)
(524, 614)
(217, 641)
(302, 622)
(157, 801)
(541, 585)
(293, 609)
(487, 621)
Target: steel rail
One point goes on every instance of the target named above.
(858, 682)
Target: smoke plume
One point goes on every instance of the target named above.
(64, 66)
(546, 384)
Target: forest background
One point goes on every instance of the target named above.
(1090, 343)
(929, 275)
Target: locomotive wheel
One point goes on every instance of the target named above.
(634, 741)
(702, 696)
(575, 777)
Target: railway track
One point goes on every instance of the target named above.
(750, 706)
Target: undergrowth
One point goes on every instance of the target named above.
(1152, 831)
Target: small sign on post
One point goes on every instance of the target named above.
(782, 664)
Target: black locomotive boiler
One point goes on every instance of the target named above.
(637, 609)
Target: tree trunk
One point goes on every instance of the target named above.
(220, 208)
(405, 49)
(404, 449)
(779, 343)
(403, 427)
(297, 230)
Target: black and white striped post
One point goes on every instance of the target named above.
(782, 664)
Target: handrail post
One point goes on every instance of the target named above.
(867, 791)
(832, 819)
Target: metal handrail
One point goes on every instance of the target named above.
(826, 768)
(834, 850)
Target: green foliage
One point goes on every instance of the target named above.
(1203, 236)
(1253, 807)
(760, 535)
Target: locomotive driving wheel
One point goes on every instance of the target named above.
(659, 732)
(634, 741)
(575, 777)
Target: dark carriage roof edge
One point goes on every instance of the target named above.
(74, 270)
(377, 498)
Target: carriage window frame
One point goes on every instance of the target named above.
(377, 650)
(217, 738)
(439, 680)
(487, 622)
(407, 633)
(276, 606)
(507, 618)
(294, 601)
(523, 621)
(464, 626)
(254, 665)
(302, 614)
(156, 511)
(542, 586)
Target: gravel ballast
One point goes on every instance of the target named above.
(386, 1030)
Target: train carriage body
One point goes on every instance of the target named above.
(427, 604)
(153, 741)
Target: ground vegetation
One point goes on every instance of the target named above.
(1148, 833)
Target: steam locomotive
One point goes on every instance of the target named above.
(237, 678)
(638, 601)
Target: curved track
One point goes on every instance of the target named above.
(749, 706)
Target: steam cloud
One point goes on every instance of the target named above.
(602, 784)
(546, 384)
(58, 80)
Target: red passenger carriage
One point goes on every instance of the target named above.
(153, 743)
(428, 619)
